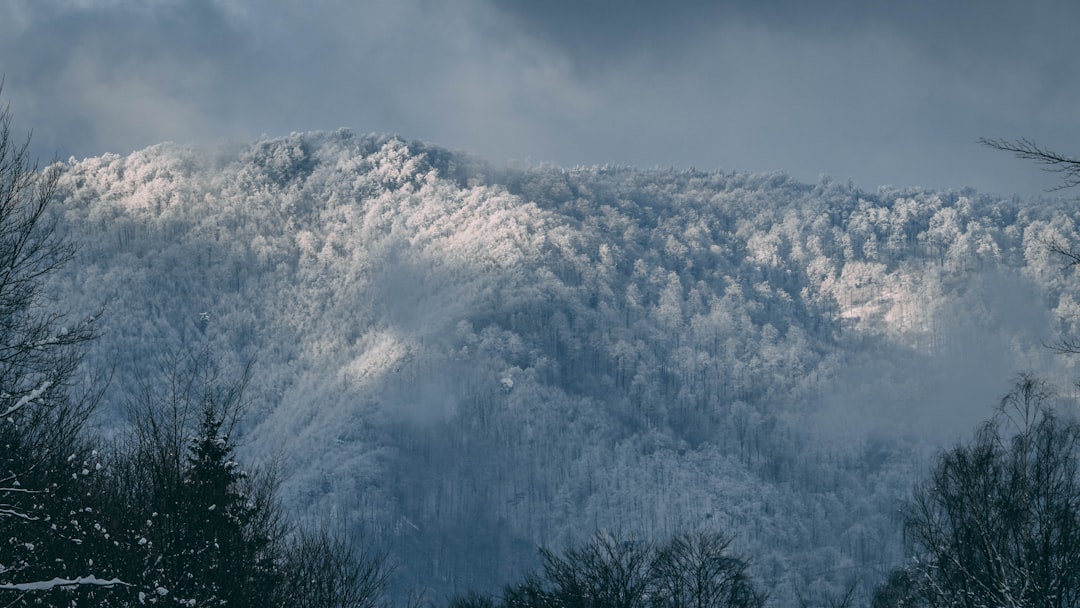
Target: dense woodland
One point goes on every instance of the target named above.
(161, 506)
(459, 363)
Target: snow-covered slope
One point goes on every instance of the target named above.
(470, 361)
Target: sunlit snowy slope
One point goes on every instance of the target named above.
(470, 361)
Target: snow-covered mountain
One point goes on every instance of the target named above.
(470, 361)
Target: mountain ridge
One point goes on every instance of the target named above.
(469, 360)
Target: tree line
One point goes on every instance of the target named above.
(689, 571)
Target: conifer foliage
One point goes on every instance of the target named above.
(210, 534)
(223, 548)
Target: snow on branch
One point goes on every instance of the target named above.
(8, 512)
(27, 398)
(63, 582)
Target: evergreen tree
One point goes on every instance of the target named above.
(208, 534)
(228, 558)
(213, 512)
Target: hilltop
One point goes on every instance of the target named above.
(468, 360)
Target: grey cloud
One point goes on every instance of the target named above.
(118, 76)
(1034, 32)
(94, 79)
(880, 92)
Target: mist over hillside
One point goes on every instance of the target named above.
(469, 361)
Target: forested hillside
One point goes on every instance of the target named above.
(469, 361)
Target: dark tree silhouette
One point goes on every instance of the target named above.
(1069, 169)
(1066, 166)
(690, 571)
(205, 530)
(998, 521)
(607, 572)
(45, 524)
(697, 571)
(324, 569)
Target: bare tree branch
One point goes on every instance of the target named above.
(43, 452)
(1051, 161)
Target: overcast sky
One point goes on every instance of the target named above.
(890, 92)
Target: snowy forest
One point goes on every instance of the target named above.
(456, 381)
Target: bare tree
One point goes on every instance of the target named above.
(998, 521)
(690, 571)
(471, 599)
(901, 590)
(697, 571)
(40, 348)
(324, 569)
(607, 572)
(42, 415)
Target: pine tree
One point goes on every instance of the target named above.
(227, 554)
(209, 534)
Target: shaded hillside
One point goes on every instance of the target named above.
(470, 361)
